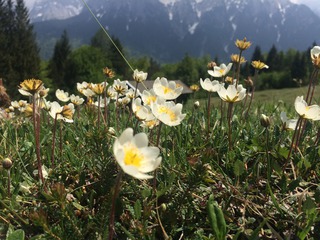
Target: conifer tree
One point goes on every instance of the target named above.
(272, 58)
(18, 48)
(118, 63)
(27, 60)
(3, 41)
(58, 63)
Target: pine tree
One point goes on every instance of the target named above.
(114, 59)
(27, 60)
(118, 63)
(186, 71)
(3, 41)
(8, 72)
(18, 48)
(272, 58)
(257, 54)
(58, 63)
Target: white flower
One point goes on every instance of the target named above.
(88, 92)
(307, 112)
(120, 87)
(288, 123)
(168, 90)
(150, 124)
(46, 105)
(210, 86)
(134, 155)
(139, 76)
(102, 102)
(149, 97)
(220, 71)
(232, 94)
(76, 100)
(64, 113)
(168, 112)
(62, 95)
(82, 86)
(44, 170)
(142, 112)
(131, 93)
(315, 52)
(123, 101)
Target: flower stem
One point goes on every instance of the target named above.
(230, 107)
(208, 110)
(9, 183)
(113, 206)
(36, 125)
(293, 141)
(53, 141)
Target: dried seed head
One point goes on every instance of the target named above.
(6, 163)
(211, 65)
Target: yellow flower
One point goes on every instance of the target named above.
(194, 88)
(235, 58)
(97, 88)
(108, 72)
(259, 65)
(30, 86)
(243, 44)
(28, 110)
(120, 86)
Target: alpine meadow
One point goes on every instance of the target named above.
(96, 143)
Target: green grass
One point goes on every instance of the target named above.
(205, 188)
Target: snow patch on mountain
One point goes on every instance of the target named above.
(168, 2)
(193, 27)
(43, 10)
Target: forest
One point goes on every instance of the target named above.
(20, 59)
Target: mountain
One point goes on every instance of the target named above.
(168, 29)
(43, 10)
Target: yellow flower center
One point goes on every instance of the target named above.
(151, 99)
(221, 71)
(168, 111)
(67, 112)
(167, 90)
(132, 156)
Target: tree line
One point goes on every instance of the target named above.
(20, 59)
(18, 48)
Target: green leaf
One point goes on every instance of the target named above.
(16, 235)
(309, 206)
(137, 209)
(238, 168)
(317, 195)
(294, 184)
(77, 206)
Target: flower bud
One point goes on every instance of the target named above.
(6, 163)
(265, 121)
(196, 104)
(163, 207)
